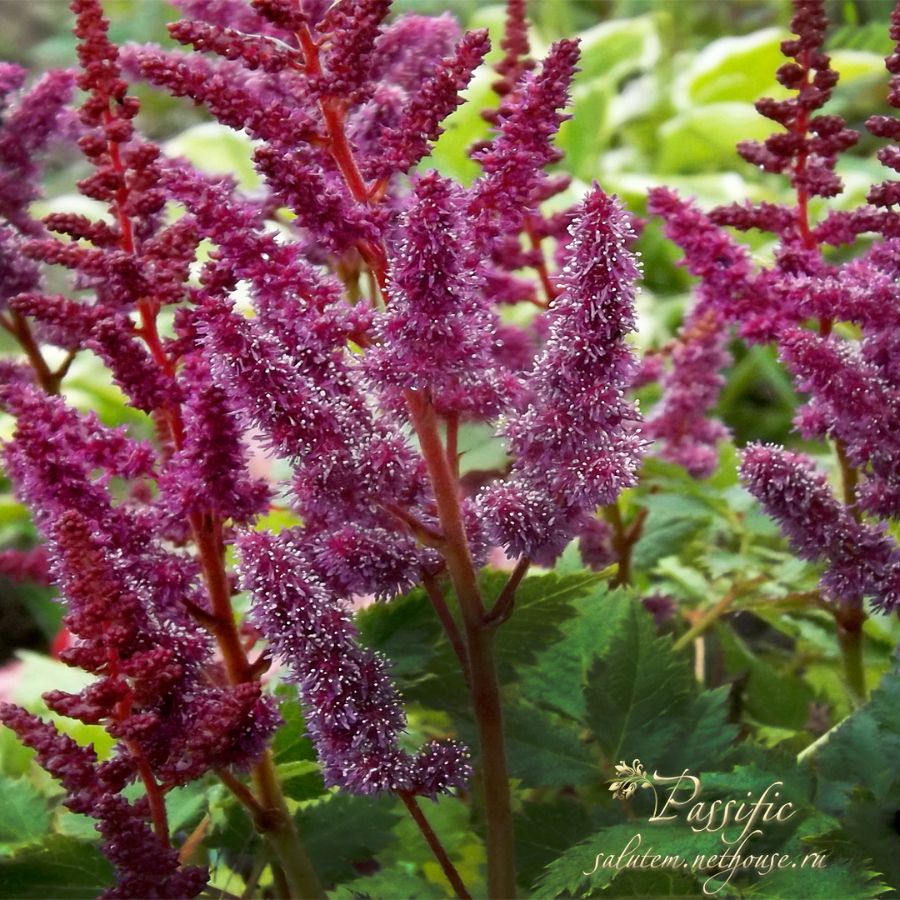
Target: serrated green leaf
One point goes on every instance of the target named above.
(62, 868)
(344, 830)
(546, 830)
(24, 816)
(636, 691)
(557, 679)
(574, 872)
(545, 751)
(394, 883)
(835, 879)
(543, 604)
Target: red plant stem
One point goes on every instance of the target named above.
(848, 621)
(453, 442)
(206, 531)
(437, 848)
(155, 794)
(485, 688)
(623, 540)
(503, 608)
(550, 290)
(446, 618)
(19, 328)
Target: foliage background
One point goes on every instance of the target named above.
(666, 91)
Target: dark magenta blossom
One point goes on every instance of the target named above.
(862, 560)
(577, 445)
(353, 713)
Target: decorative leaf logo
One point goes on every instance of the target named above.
(629, 779)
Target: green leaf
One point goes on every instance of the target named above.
(344, 830)
(24, 816)
(636, 691)
(574, 871)
(543, 603)
(835, 879)
(558, 678)
(545, 751)
(771, 696)
(702, 138)
(406, 630)
(394, 883)
(544, 831)
(62, 868)
(732, 69)
(216, 149)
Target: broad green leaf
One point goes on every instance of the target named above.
(62, 868)
(544, 831)
(618, 48)
(558, 678)
(574, 871)
(543, 603)
(703, 138)
(345, 830)
(835, 878)
(771, 696)
(406, 630)
(636, 691)
(545, 751)
(216, 149)
(24, 816)
(732, 69)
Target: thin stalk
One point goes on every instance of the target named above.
(623, 540)
(19, 328)
(713, 614)
(484, 687)
(443, 613)
(437, 848)
(276, 825)
(850, 640)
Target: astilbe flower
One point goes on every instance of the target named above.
(862, 559)
(577, 444)
(808, 148)
(437, 334)
(513, 180)
(354, 715)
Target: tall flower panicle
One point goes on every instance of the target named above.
(513, 162)
(680, 420)
(437, 333)
(887, 194)
(353, 712)
(809, 146)
(577, 445)
(862, 559)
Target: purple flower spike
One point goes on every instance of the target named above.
(577, 445)
(862, 559)
(353, 712)
(437, 335)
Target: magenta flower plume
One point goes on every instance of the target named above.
(37, 117)
(809, 146)
(353, 713)
(680, 421)
(437, 335)
(852, 401)
(887, 194)
(862, 559)
(402, 145)
(577, 445)
(513, 162)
